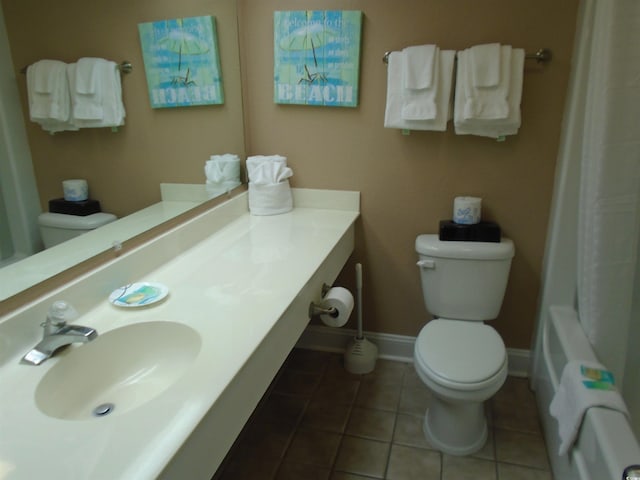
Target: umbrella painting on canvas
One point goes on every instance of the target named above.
(317, 57)
(181, 62)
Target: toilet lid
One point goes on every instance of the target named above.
(461, 352)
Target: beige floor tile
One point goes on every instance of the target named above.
(516, 416)
(409, 431)
(339, 390)
(414, 400)
(411, 378)
(369, 423)
(362, 457)
(410, 463)
(467, 468)
(521, 448)
(488, 451)
(313, 447)
(386, 372)
(264, 440)
(378, 395)
(309, 361)
(250, 470)
(515, 472)
(516, 390)
(347, 476)
(293, 382)
(284, 409)
(299, 471)
(323, 415)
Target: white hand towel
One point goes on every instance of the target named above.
(485, 65)
(109, 88)
(418, 64)
(396, 94)
(493, 128)
(87, 89)
(420, 103)
(222, 168)
(582, 385)
(48, 91)
(487, 103)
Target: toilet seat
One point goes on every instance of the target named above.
(459, 354)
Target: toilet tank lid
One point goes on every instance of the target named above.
(75, 222)
(430, 245)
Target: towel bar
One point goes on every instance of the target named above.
(543, 55)
(124, 67)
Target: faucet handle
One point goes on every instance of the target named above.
(58, 315)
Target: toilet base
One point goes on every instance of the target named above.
(455, 428)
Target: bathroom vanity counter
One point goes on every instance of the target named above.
(241, 283)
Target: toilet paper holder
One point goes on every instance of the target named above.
(316, 310)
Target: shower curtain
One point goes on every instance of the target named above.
(606, 137)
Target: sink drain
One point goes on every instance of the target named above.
(103, 409)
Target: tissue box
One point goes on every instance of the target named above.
(81, 208)
(478, 232)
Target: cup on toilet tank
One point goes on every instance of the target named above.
(75, 190)
(466, 210)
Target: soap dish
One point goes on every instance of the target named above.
(138, 294)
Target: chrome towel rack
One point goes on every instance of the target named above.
(124, 67)
(544, 55)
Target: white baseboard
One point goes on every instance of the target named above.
(390, 347)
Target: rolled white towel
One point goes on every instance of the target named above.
(270, 199)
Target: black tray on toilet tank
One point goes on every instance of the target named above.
(81, 209)
(479, 232)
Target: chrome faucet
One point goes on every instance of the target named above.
(58, 334)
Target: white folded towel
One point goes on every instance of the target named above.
(108, 90)
(88, 89)
(270, 199)
(48, 91)
(582, 385)
(487, 103)
(419, 100)
(489, 127)
(397, 94)
(485, 65)
(418, 63)
(267, 169)
(222, 173)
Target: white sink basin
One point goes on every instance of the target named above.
(118, 371)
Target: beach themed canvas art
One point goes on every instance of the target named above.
(317, 57)
(182, 62)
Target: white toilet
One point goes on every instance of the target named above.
(56, 228)
(461, 360)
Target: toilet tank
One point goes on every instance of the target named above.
(56, 228)
(464, 280)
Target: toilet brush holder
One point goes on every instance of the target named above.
(360, 355)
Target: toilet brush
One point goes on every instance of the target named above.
(360, 355)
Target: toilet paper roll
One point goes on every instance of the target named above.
(75, 190)
(342, 300)
(466, 210)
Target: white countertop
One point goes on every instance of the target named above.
(232, 288)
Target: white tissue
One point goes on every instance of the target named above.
(342, 300)
(467, 210)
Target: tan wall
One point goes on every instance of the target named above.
(125, 169)
(408, 182)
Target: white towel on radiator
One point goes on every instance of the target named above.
(582, 385)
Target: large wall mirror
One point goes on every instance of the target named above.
(124, 169)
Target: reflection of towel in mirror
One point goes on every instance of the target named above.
(48, 95)
(223, 174)
(108, 93)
